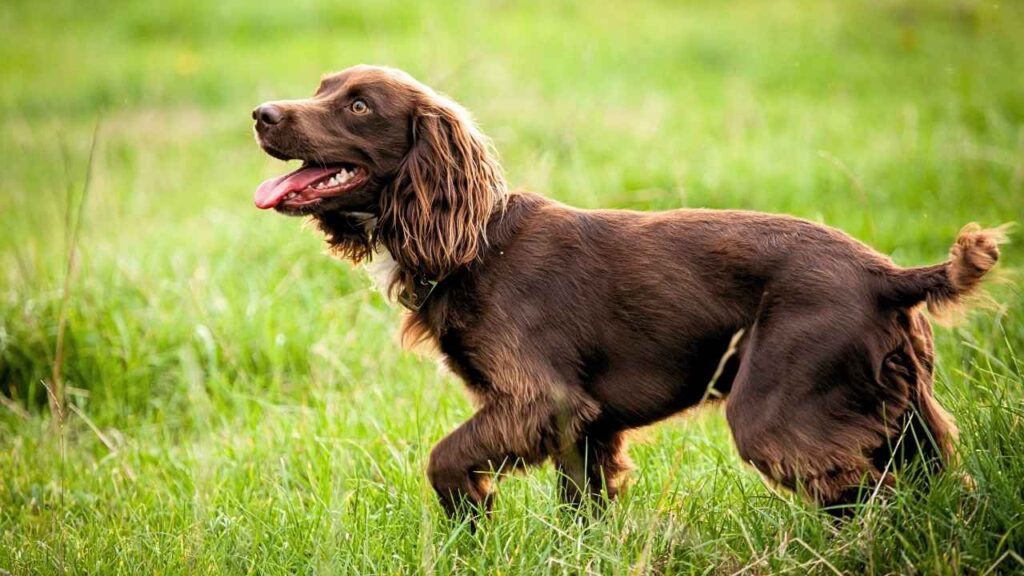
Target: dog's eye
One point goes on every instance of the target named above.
(360, 107)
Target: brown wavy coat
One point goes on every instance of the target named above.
(571, 326)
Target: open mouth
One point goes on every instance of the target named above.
(309, 185)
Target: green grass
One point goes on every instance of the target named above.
(240, 403)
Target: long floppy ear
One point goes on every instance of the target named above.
(434, 215)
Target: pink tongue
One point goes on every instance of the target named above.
(271, 191)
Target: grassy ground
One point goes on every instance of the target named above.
(236, 400)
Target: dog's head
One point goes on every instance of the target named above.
(385, 159)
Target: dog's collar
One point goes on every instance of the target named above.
(414, 298)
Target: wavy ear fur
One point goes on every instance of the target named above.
(434, 215)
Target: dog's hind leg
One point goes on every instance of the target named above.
(808, 407)
(928, 431)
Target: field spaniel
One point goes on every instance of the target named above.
(571, 327)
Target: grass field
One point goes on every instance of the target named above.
(236, 401)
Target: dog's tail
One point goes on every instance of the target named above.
(943, 286)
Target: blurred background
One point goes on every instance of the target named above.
(220, 376)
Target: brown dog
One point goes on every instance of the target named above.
(570, 327)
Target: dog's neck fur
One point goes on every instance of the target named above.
(381, 266)
(382, 269)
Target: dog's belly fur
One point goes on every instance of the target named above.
(633, 395)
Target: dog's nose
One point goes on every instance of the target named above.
(267, 114)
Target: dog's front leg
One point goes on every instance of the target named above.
(498, 438)
(593, 467)
(507, 433)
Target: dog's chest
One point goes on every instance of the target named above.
(381, 269)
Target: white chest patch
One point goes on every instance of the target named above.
(382, 267)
